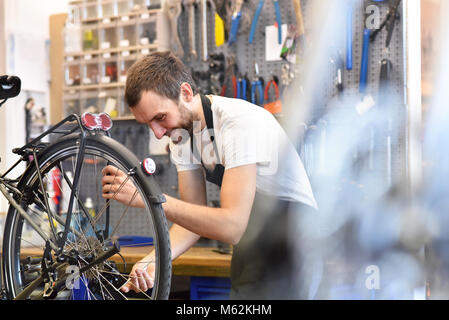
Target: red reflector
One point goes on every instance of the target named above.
(89, 121)
(106, 122)
(93, 121)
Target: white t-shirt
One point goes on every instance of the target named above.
(247, 134)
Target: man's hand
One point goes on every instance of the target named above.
(141, 277)
(117, 186)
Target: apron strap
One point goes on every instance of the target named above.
(216, 177)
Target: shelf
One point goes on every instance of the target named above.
(131, 15)
(110, 37)
(95, 86)
(152, 46)
(123, 118)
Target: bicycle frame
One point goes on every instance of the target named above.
(8, 187)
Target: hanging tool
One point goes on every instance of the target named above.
(288, 51)
(234, 86)
(242, 88)
(385, 129)
(218, 9)
(220, 31)
(370, 36)
(338, 63)
(277, 10)
(203, 8)
(217, 72)
(299, 20)
(257, 88)
(364, 63)
(256, 18)
(223, 10)
(275, 106)
(236, 16)
(257, 85)
(295, 35)
(190, 8)
(230, 76)
(389, 22)
(349, 14)
(174, 8)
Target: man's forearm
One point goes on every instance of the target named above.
(213, 223)
(181, 240)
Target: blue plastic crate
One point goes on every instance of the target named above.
(135, 241)
(209, 288)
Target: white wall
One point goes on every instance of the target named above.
(26, 31)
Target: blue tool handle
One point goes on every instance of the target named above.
(277, 9)
(234, 28)
(259, 86)
(364, 65)
(238, 89)
(253, 94)
(349, 37)
(254, 23)
(244, 90)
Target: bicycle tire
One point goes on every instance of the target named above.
(101, 148)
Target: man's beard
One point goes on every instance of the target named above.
(186, 123)
(187, 118)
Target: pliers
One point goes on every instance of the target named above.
(234, 87)
(274, 82)
(256, 18)
(257, 85)
(242, 88)
(236, 15)
(230, 76)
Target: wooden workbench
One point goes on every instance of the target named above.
(197, 261)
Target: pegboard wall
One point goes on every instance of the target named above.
(246, 56)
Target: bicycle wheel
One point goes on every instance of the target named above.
(92, 231)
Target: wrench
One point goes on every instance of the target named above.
(204, 53)
(174, 9)
(190, 7)
(299, 20)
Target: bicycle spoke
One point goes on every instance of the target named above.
(123, 215)
(107, 204)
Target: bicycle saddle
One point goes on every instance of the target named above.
(9, 86)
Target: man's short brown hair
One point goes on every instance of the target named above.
(160, 72)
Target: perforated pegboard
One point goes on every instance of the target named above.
(247, 55)
(396, 107)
